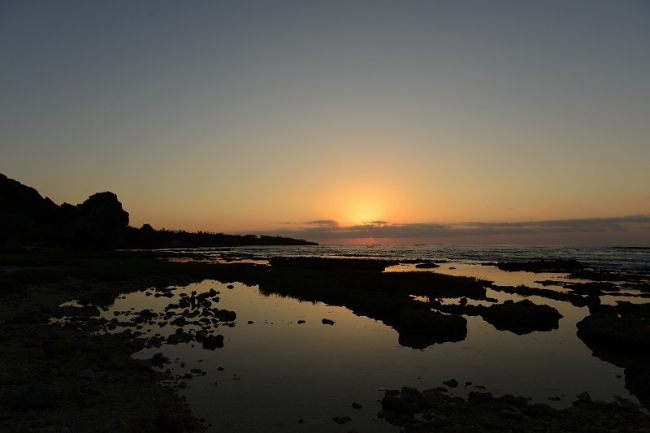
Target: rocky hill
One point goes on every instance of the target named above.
(27, 219)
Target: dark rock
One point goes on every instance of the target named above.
(417, 327)
(514, 401)
(332, 264)
(213, 342)
(327, 322)
(637, 381)
(411, 395)
(158, 358)
(392, 403)
(584, 397)
(625, 331)
(225, 315)
(341, 419)
(427, 265)
(521, 317)
(59, 348)
(558, 265)
(452, 383)
(476, 397)
(169, 423)
(34, 397)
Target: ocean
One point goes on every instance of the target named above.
(616, 258)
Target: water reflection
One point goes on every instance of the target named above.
(282, 369)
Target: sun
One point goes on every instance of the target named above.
(365, 214)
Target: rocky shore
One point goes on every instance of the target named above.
(61, 376)
(57, 379)
(435, 410)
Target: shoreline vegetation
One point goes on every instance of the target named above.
(69, 376)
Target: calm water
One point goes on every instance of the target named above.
(633, 259)
(273, 372)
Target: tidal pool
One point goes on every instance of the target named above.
(278, 373)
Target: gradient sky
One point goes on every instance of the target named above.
(338, 121)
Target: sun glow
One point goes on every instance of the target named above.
(366, 208)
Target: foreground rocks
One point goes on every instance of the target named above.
(57, 378)
(434, 410)
(623, 339)
(521, 317)
(419, 328)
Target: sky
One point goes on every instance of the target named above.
(490, 122)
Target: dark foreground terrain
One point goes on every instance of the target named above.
(64, 377)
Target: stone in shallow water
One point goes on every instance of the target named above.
(213, 342)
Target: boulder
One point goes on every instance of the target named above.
(624, 331)
(419, 328)
(521, 317)
(212, 342)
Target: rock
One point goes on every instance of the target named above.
(35, 397)
(341, 419)
(411, 395)
(213, 342)
(357, 406)
(637, 381)
(392, 403)
(452, 383)
(584, 397)
(327, 322)
(623, 331)
(60, 348)
(169, 423)
(521, 317)
(558, 265)
(519, 402)
(158, 358)
(427, 265)
(419, 328)
(225, 315)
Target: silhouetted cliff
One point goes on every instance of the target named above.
(28, 219)
(99, 223)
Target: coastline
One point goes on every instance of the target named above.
(78, 372)
(69, 379)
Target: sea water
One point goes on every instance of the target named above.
(619, 258)
(281, 369)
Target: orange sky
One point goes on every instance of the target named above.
(423, 121)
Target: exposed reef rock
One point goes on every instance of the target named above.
(361, 286)
(521, 317)
(419, 328)
(331, 264)
(622, 338)
(558, 265)
(435, 410)
(629, 331)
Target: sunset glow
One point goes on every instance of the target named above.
(427, 121)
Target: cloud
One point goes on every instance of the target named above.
(331, 229)
(323, 223)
